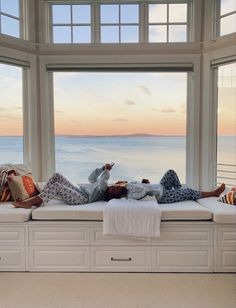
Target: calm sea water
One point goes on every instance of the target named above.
(135, 157)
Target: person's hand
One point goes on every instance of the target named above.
(107, 167)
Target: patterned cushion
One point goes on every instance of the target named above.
(230, 197)
(22, 187)
(5, 194)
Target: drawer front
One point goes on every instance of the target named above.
(59, 236)
(225, 259)
(121, 259)
(182, 259)
(12, 258)
(97, 238)
(12, 235)
(226, 237)
(59, 258)
(181, 235)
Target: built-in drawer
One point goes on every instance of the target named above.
(182, 259)
(12, 235)
(97, 238)
(57, 235)
(226, 236)
(12, 258)
(59, 258)
(225, 259)
(185, 235)
(121, 259)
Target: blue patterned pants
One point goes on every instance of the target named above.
(59, 186)
(172, 190)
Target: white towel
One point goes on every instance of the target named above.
(132, 218)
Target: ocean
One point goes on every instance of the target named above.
(134, 157)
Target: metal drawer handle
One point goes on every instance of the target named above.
(114, 259)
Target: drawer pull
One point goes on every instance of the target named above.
(115, 259)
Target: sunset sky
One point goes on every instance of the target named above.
(116, 103)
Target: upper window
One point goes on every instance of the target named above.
(10, 17)
(167, 22)
(71, 23)
(227, 16)
(119, 22)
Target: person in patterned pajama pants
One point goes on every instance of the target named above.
(59, 186)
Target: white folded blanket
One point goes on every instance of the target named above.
(132, 218)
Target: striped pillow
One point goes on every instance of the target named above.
(230, 197)
(5, 194)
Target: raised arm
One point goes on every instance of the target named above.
(95, 174)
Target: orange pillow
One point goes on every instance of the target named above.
(22, 187)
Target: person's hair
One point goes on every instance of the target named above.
(117, 193)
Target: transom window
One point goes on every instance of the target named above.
(119, 22)
(71, 23)
(167, 22)
(227, 16)
(10, 17)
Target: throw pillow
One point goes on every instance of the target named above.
(22, 187)
(230, 197)
(5, 193)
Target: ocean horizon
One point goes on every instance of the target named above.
(136, 156)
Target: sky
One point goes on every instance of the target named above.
(114, 103)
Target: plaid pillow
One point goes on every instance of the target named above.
(230, 197)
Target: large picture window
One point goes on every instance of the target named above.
(130, 118)
(10, 17)
(11, 114)
(226, 141)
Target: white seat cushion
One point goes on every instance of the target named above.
(222, 212)
(58, 210)
(8, 213)
(185, 210)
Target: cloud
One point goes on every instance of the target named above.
(120, 120)
(168, 110)
(129, 102)
(145, 89)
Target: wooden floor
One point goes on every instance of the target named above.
(88, 290)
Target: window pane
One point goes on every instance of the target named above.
(157, 34)
(10, 26)
(102, 117)
(177, 33)
(61, 14)
(178, 13)
(11, 114)
(10, 7)
(109, 13)
(61, 34)
(110, 34)
(227, 6)
(226, 141)
(129, 13)
(81, 14)
(228, 24)
(157, 13)
(129, 34)
(82, 34)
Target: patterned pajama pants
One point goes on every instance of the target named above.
(59, 186)
(173, 192)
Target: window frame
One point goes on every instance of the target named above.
(218, 18)
(96, 22)
(167, 23)
(22, 28)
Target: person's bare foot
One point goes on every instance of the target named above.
(27, 204)
(219, 190)
(22, 204)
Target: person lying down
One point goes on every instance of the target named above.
(168, 190)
